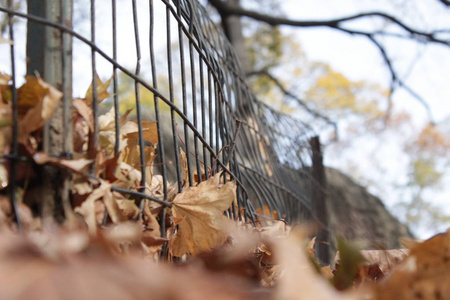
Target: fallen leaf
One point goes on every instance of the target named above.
(131, 152)
(88, 207)
(85, 111)
(107, 131)
(102, 92)
(128, 208)
(198, 211)
(4, 79)
(299, 279)
(79, 270)
(75, 165)
(37, 115)
(30, 94)
(424, 274)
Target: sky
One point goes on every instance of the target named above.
(426, 67)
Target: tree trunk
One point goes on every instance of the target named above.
(232, 26)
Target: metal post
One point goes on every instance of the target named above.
(49, 53)
(318, 197)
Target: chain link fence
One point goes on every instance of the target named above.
(175, 68)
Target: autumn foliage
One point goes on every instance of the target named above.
(109, 248)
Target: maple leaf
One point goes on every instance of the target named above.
(102, 92)
(44, 99)
(198, 211)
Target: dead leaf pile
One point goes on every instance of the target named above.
(112, 245)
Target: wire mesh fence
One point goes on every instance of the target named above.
(174, 68)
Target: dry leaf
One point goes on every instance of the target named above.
(75, 270)
(36, 116)
(198, 211)
(30, 94)
(5, 127)
(85, 111)
(88, 207)
(424, 274)
(128, 208)
(75, 165)
(131, 153)
(299, 279)
(102, 92)
(107, 131)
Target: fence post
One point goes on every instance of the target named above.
(49, 53)
(318, 197)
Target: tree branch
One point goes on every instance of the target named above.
(395, 80)
(420, 36)
(294, 97)
(226, 9)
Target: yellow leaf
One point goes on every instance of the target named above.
(199, 211)
(30, 94)
(36, 116)
(102, 92)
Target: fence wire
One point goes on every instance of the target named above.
(180, 72)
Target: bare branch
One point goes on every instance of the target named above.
(395, 80)
(294, 97)
(414, 34)
(226, 9)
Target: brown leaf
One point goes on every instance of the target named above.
(41, 99)
(5, 126)
(88, 207)
(102, 92)
(149, 131)
(85, 111)
(75, 165)
(300, 280)
(4, 78)
(128, 208)
(77, 270)
(198, 211)
(131, 153)
(30, 94)
(424, 274)
(386, 260)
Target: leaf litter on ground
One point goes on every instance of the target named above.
(109, 248)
